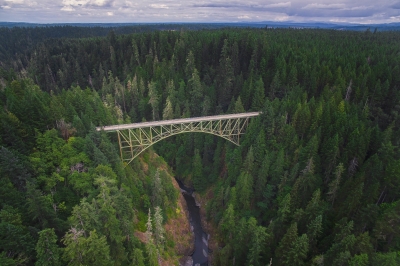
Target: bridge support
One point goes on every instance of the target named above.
(136, 138)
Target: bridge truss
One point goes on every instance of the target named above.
(136, 138)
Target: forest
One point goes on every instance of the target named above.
(315, 181)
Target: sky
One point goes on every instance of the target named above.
(121, 11)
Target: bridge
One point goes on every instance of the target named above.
(137, 137)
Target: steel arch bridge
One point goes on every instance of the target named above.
(135, 138)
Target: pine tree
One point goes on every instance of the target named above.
(154, 99)
(262, 177)
(152, 254)
(314, 229)
(244, 188)
(238, 108)
(48, 253)
(158, 229)
(292, 78)
(79, 250)
(258, 237)
(298, 252)
(287, 243)
(225, 77)
(196, 93)
(275, 87)
(359, 260)
(198, 180)
(259, 95)
(334, 185)
(156, 194)
(248, 164)
(190, 66)
(343, 242)
(137, 258)
(168, 112)
(227, 223)
(277, 168)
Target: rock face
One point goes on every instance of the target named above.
(198, 204)
(179, 228)
(186, 261)
(207, 226)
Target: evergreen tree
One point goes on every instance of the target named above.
(198, 179)
(287, 243)
(258, 236)
(48, 253)
(80, 250)
(259, 95)
(158, 228)
(244, 188)
(156, 195)
(228, 222)
(168, 112)
(334, 185)
(238, 108)
(314, 229)
(298, 253)
(196, 94)
(138, 259)
(275, 87)
(154, 99)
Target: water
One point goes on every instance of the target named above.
(200, 254)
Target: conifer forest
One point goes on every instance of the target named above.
(315, 181)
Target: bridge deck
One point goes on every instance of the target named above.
(176, 121)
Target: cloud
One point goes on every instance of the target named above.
(285, 4)
(128, 4)
(396, 5)
(88, 3)
(74, 2)
(68, 8)
(352, 12)
(216, 5)
(244, 6)
(101, 3)
(159, 6)
(324, 6)
(98, 2)
(49, 11)
(16, 4)
(15, 1)
(110, 13)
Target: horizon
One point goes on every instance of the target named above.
(202, 22)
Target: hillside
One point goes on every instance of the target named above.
(315, 180)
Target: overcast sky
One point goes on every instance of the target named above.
(55, 11)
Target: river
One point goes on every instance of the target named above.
(200, 254)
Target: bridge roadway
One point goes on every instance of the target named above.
(176, 121)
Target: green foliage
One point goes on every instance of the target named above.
(359, 260)
(324, 149)
(298, 253)
(197, 172)
(159, 232)
(48, 253)
(259, 94)
(16, 242)
(81, 250)
(138, 259)
(287, 243)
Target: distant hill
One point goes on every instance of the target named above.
(194, 26)
(320, 25)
